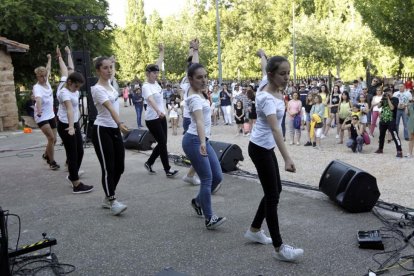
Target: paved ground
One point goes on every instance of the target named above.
(159, 229)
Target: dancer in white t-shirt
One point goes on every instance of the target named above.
(265, 136)
(68, 116)
(106, 134)
(43, 112)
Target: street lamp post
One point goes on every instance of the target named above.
(218, 43)
(294, 43)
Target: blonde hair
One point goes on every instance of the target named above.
(40, 70)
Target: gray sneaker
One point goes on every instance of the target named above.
(288, 253)
(117, 207)
(259, 237)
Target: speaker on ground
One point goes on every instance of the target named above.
(228, 155)
(351, 188)
(139, 139)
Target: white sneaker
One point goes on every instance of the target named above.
(69, 181)
(337, 136)
(288, 253)
(213, 192)
(259, 237)
(192, 179)
(106, 204)
(81, 172)
(117, 207)
(323, 136)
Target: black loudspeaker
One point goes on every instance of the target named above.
(353, 189)
(139, 139)
(82, 64)
(228, 155)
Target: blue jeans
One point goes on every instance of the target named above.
(208, 169)
(138, 109)
(401, 114)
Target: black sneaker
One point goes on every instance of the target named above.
(197, 208)
(45, 157)
(171, 174)
(308, 144)
(214, 222)
(82, 188)
(314, 144)
(149, 168)
(53, 166)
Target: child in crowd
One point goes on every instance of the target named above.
(173, 114)
(239, 117)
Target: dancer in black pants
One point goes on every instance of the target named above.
(155, 116)
(106, 135)
(267, 134)
(68, 126)
(388, 117)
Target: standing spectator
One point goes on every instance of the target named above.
(130, 92)
(265, 136)
(410, 127)
(316, 116)
(324, 93)
(239, 117)
(404, 97)
(167, 92)
(375, 83)
(364, 108)
(409, 84)
(376, 110)
(43, 113)
(225, 103)
(155, 117)
(252, 108)
(173, 108)
(68, 115)
(106, 134)
(125, 95)
(344, 111)
(333, 105)
(389, 105)
(294, 109)
(138, 102)
(308, 106)
(215, 104)
(196, 145)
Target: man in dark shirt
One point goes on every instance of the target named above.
(303, 93)
(388, 116)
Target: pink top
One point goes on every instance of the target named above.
(126, 92)
(294, 106)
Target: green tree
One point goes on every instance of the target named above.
(34, 23)
(391, 22)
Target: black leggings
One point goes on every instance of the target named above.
(73, 147)
(159, 130)
(391, 127)
(268, 171)
(109, 148)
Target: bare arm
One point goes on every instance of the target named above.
(198, 116)
(69, 109)
(48, 66)
(196, 46)
(161, 55)
(278, 136)
(71, 67)
(62, 66)
(263, 61)
(151, 102)
(115, 116)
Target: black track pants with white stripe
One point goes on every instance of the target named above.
(109, 148)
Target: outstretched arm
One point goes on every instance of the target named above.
(195, 44)
(161, 55)
(71, 67)
(48, 66)
(263, 61)
(62, 65)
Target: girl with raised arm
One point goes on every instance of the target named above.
(266, 134)
(68, 114)
(155, 116)
(43, 112)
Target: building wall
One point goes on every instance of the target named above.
(8, 105)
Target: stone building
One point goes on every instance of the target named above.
(9, 118)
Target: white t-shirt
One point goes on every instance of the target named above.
(63, 95)
(173, 110)
(198, 102)
(266, 104)
(154, 90)
(46, 94)
(101, 95)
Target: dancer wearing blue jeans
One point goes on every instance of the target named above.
(197, 147)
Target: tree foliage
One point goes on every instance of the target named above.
(391, 21)
(34, 23)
